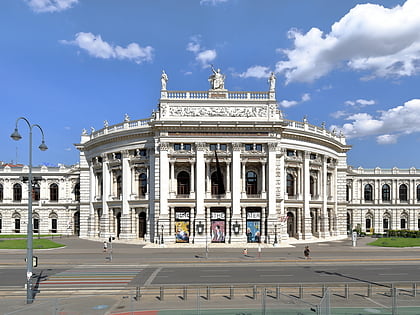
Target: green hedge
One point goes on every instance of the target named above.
(403, 233)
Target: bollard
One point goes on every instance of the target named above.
(208, 293)
(138, 295)
(391, 292)
(414, 289)
(324, 289)
(369, 290)
(231, 292)
(346, 291)
(185, 293)
(278, 292)
(254, 292)
(161, 294)
(301, 292)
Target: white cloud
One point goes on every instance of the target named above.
(202, 56)
(305, 97)
(41, 6)
(212, 2)
(360, 103)
(256, 72)
(386, 139)
(370, 37)
(388, 126)
(98, 48)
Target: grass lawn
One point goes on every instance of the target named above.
(21, 244)
(396, 242)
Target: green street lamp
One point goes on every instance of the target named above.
(29, 248)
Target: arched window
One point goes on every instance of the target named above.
(77, 192)
(403, 223)
(119, 186)
(16, 218)
(368, 224)
(347, 193)
(17, 192)
(368, 192)
(386, 222)
(142, 184)
(403, 192)
(290, 183)
(217, 187)
(54, 192)
(1, 192)
(386, 193)
(36, 192)
(35, 225)
(251, 183)
(53, 217)
(183, 180)
(312, 186)
(418, 192)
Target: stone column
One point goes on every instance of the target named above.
(106, 191)
(126, 191)
(307, 222)
(92, 230)
(200, 191)
(273, 218)
(236, 191)
(164, 189)
(325, 229)
(228, 179)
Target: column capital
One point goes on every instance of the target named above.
(200, 146)
(272, 146)
(164, 146)
(236, 146)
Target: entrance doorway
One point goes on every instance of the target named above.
(291, 224)
(142, 224)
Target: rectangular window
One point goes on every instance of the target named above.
(213, 147)
(187, 147)
(177, 146)
(223, 147)
(312, 156)
(249, 147)
(142, 152)
(291, 153)
(258, 147)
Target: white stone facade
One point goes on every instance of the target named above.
(213, 166)
(55, 199)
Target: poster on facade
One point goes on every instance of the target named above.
(218, 226)
(182, 227)
(253, 226)
(218, 231)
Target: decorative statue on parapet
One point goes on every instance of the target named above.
(163, 80)
(272, 82)
(217, 80)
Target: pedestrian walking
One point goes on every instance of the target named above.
(105, 246)
(307, 252)
(259, 250)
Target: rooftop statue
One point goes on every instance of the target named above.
(217, 80)
(272, 82)
(163, 80)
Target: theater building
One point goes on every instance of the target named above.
(214, 166)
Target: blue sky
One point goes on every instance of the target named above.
(71, 64)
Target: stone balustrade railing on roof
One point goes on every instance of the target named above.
(132, 124)
(199, 95)
(315, 129)
(391, 171)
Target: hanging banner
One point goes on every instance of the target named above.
(253, 226)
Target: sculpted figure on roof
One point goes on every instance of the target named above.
(217, 80)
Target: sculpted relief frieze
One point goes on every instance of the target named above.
(215, 111)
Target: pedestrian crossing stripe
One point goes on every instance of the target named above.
(106, 277)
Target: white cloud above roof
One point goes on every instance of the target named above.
(99, 48)
(41, 6)
(203, 56)
(381, 41)
(388, 126)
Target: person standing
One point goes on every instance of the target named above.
(307, 252)
(259, 250)
(105, 246)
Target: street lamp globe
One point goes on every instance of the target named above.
(16, 135)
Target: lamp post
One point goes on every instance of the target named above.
(161, 234)
(29, 248)
(275, 235)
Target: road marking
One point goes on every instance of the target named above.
(152, 277)
(393, 274)
(216, 276)
(276, 275)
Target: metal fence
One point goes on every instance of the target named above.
(337, 299)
